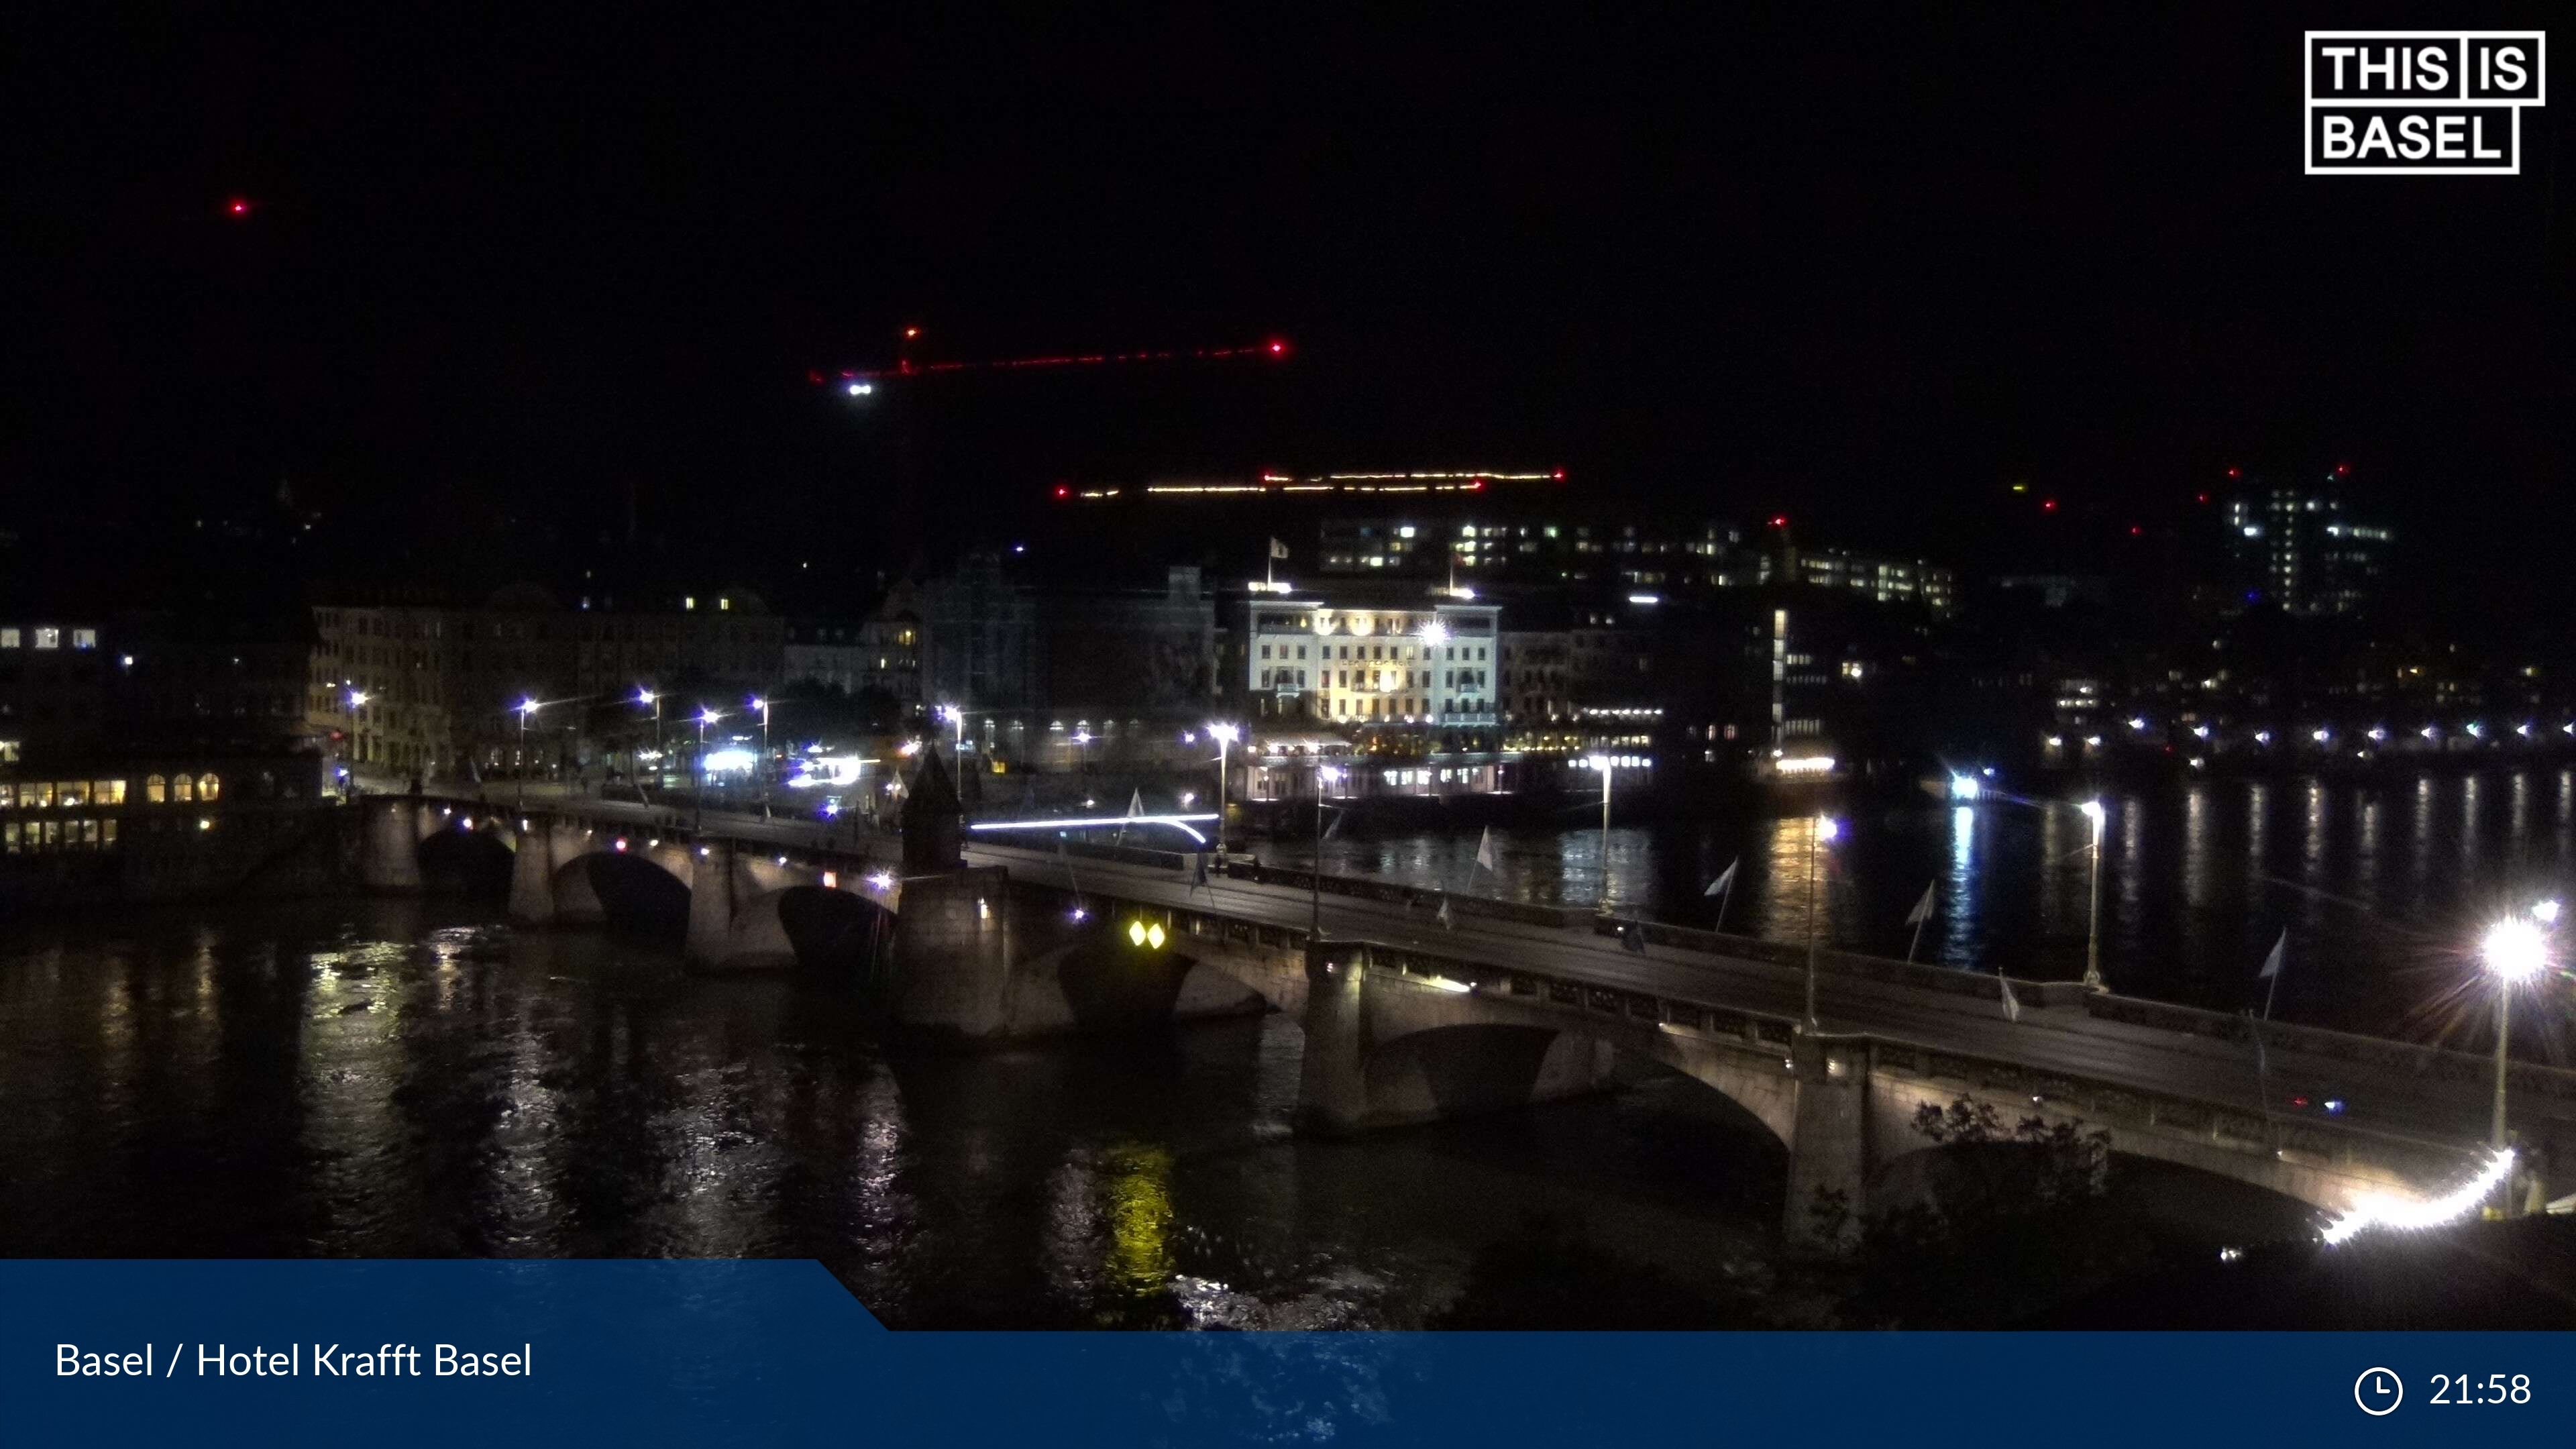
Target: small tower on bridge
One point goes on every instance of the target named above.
(932, 837)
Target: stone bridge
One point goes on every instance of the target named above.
(1399, 1031)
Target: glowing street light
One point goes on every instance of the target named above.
(1820, 829)
(698, 810)
(645, 696)
(1324, 774)
(761, 704)
(2516, 950)
(1965, 787)
(1608, 765)
(527, 711)
(357, 701)
(1225, 734)
(2094, 812)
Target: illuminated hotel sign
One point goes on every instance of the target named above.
(1281, 484)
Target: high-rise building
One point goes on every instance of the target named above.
(2295, 548)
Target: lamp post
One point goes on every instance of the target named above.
(527, 711)
(698, 809)
(762, 705)
(1315, 876)
(2516, 949)
(1820, 829)
(2094, 812)
(1605, 764)
(1225, 735)
(646, 696)
(357, 701)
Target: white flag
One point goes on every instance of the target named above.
(2272, 963)
(1485, 849)
(1278, 549)
(1445, 922)
(1136, 803)
(1724, 879)
(1922, 909)
(2012, 1003)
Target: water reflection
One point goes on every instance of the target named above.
(2199, 877)
(363, 1080)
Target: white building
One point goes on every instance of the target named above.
(1352, 664)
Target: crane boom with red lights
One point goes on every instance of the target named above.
(865, 379)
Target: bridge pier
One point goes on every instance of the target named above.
(532, 876)
(1829, 1147)
(1384, 1049)
(390, 832)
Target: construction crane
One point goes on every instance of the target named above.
(862, 382)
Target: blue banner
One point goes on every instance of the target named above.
(730, 1353)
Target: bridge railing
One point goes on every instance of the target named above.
(2434, 1063)
(1914, 974)
(1395, 893)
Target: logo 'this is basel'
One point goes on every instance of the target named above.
(2421, 102)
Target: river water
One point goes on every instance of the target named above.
(399, 1079)
(2382, 887)
(412, 1078)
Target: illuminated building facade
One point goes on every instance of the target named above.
(1361, 662)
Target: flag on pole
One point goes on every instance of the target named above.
(1922, 909)
(1277, 549)
(1485, 849)
(2272, 963)
(1724, 879)
(1445, 923)
(2012, 1003)
(1136, 803)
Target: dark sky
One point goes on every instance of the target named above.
(1866, 266)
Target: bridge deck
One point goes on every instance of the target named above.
(2448, 1108)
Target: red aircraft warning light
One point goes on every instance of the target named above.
(1779, 520)
(238, 206)
(2048, 505)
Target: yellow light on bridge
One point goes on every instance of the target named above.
(1146, 934)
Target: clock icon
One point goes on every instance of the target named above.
(2378, 1392)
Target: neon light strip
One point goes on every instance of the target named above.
(2378, 1210)
(1177, 822)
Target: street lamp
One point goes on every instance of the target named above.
(357, 701)
(2094, 812)
(1820, 830)
(646, 696)
(2515, 950)
(1225, 734)
(527, 711)
(762, 705)
(706, 717)
(1315, 877)
(1606, 765)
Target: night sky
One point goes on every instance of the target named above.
(1865, 267)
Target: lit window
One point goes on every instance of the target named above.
(155, 790)
(8, 638)
(182, 788)
(208, 787)
(107, 792)
(84, 638)
(48, 637)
